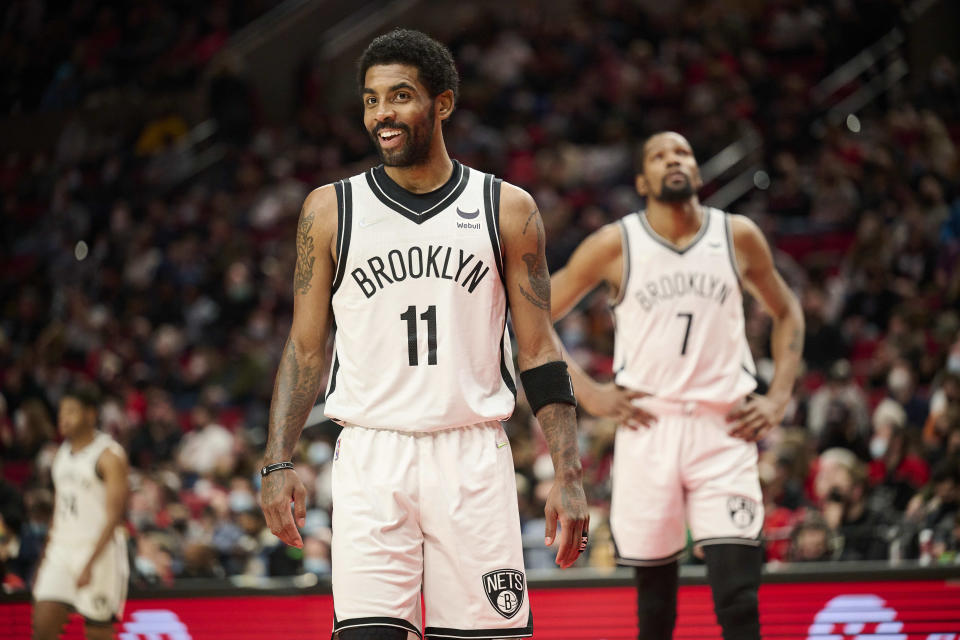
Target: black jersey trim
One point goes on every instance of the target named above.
(491, 210)
(417, 207)
(443, 632)
(344, 230)
(334, 368)
(648, 562)
(672, 247)
(352, 623)
(746, 542)
(731, 249)
(643, 562)
(625, 277)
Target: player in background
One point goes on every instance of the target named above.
(414, 264)
(85, 566)
(684, 390)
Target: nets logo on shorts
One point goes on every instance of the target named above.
(742, 510)
(504, 589)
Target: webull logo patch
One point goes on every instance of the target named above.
(504, 589)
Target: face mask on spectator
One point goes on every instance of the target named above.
(319, 452)
(953, 363)
(316, 565)
(878, 447)
(241, 501)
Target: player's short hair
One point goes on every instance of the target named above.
(641, 152)
(433, 60)
(87, 394)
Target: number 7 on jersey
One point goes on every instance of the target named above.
(686, 332)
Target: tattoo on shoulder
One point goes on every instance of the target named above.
(537, 272)
(303, 277)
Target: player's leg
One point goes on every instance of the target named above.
(725, 512)
(657, 601)
(474, 582)
(647, 519)
(376, 552)
(733, 571)
(54, 593)
(49, 619)
(101, 601)
(99, 629)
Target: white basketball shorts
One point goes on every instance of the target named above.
(685, 470)
(432, 513)
(101, 600)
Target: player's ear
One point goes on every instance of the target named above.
(641, 184)
(444, 104)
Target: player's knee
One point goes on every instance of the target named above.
(657, 601)
(373, 633)
(49, 619)
(733, 572)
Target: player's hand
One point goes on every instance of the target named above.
(568, 504)
(754, 417)
(610, 400)
(276, 491)
(84, 578)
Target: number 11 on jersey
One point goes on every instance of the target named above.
(430, 316)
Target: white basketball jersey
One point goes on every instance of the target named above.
(679, 315)
(81, 498)
(419, 305)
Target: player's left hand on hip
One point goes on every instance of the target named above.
(568, 504)
(753, 418)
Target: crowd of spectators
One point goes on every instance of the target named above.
(175, 296)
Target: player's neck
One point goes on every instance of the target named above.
(427, 176)
(675, 222)
(80, 440)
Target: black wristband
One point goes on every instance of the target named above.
(547, 384)
(276, 466)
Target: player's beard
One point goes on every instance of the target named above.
(680, 193)
(416, 147)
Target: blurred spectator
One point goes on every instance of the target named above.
(811, 541)
(841, 400)
(862, 533)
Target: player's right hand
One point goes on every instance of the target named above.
(567, 503)
(610, 400)
(277, 490)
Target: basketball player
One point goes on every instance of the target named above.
(84, 567)
(685, 452)
(414, 263)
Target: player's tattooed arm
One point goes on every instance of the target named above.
(303, 278)
(528, 291)
(294, 393)
(302, 362)
(538, 277)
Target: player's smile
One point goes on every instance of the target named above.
(390, 136)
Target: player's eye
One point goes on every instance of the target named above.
(402, 95)
(370, 100)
